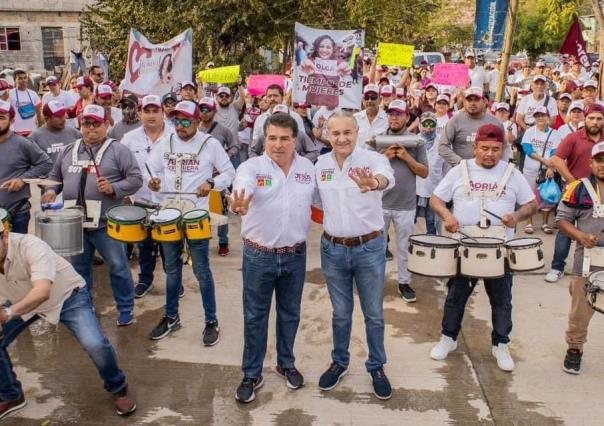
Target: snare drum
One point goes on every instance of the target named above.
(165, 226)
(197, 225)
(525, 254)
(433, 256)
(127, 223)
(5, 218)
(482, 257)
(595, 291)
(596, 256)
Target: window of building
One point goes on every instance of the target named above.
(10, 38)
(52, 47)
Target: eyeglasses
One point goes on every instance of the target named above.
(223, 95)
(184, 122)
(206, 110)
(91, 124)
(371, 98)
(429, 124)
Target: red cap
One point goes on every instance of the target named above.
(490, 133)
(187, 108)
(84, 82)
(54, 109)
(6, 107)
(104, 91)
(594, 108)
(4, 85)
(94, 112)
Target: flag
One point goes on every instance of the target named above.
(489, 27)
(575, 45)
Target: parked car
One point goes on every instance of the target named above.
(430, 57)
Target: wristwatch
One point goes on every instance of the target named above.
(9, 312)
(211, 182)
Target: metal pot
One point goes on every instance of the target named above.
(62, 230)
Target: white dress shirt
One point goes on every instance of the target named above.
(368, 130)
(279, 214)
(194, 172)
(141, 146)
(346, 211)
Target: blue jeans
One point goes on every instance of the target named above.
(147, 258)
(172, 257)
(500, 297)
(365, 264)
(20, 222)
(78, 317)
(114, 254)
(561, 251)
(263, 273)
(223, 230)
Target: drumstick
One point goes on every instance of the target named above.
(178, 193)
(466, 235)
(493, 214)
(96, 169)
(149, 171)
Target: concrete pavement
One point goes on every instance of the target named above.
(179, 381)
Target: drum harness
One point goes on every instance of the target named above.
(598, 212)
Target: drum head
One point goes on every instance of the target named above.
(596, 279)
(165, 215)
(523, 242)
(433, 240)
(127, 213)
(63, 213)
(195, 215)
(482, 242)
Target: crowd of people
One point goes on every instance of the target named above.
(274, 162)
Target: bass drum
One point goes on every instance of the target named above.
(433, 256)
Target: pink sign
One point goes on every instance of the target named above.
(257, 84)
(451, 75)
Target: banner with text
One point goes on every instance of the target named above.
(328, 69)
(158, 68)
(489, 28)
(258, 83)
(222, 75)
(451, 75)
(395, 54)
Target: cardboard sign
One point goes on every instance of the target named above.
(221, 75)
(395, 54)
(451, 75)
(257, 84)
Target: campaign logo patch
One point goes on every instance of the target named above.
(264, 180)
(303, 178)
(327, 175)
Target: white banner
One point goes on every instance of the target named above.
(158, 68)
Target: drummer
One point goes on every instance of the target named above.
(117, 176)
(577, 219)
(472, 190)
(142, 141)
(184, 163)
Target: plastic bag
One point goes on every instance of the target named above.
(550, 192)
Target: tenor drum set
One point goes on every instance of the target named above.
(474, 257)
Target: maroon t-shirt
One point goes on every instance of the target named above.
(559, 122)
(576, 150)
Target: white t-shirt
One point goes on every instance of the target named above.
(567, 129)
(467, 211)
(478, 78)
(368, 130)
(29, 124)
(493, 80)
(68, 99)
(536, 138)
(441, 122)
(529, 103)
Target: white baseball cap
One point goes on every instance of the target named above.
(576, 105)
(188, 83)
(540, 64)
(51, 80)
(398, 106)
(280, 108)
(474, 91)
(207, 102)
(104, 91)
(387, 90)
(566, 96)
(94, 112)
(443, 98)
(371, 88)
(597, 149)
(224, 89)
(590, 83)
(400, 92)
(6, 107)
(151, 100)
(540, 110)
(501, 105)
(54, 109)
(187, 108)
(539, 77)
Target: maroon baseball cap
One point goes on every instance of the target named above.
(54, 109)
(594, 108)
(6, 107)
(490, 133)
(84, 82)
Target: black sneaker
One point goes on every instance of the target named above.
(245, 392)
(407, 293)
(181, 292)
(211, 334)
(332, 376)
(142, 289)
(381, 384)
(572, 361)
(165, 327)
(389, 255)
(292, 376)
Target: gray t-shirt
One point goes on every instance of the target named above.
(402, 195)
(20, 158)
(228, 117)
(225, 136)
(52, 142)
(120, 129)
(459, 136)
(584, 221)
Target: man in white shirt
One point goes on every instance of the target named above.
(37, 283)
(372, 120)
(486, 170)
(142, 141)
(351, 182)
(280, 184)
(27, 104)
(184, 163)
(524, 113)
(478, 78)
(55, 93)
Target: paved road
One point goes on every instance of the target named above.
(178, 381)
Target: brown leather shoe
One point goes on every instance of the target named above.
(124, 404)
(7, 407)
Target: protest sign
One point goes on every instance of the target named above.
(395, 54)
(451, 75)
(322, 72)
(157, 68)
(257, 84)
(222, 75)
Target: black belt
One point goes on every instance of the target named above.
(352, 241)
(278, 250)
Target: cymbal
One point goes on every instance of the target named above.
(43, 182)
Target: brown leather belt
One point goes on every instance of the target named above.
(352, 241)
(279, 250)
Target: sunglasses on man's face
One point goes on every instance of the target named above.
(184, 122)
(371, 98)
(205, 110)
(429, 124)
(91, 124)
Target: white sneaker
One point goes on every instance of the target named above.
(553, 276)
(504, 359)
(442, 348)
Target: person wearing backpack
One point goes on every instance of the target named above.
(27, 104)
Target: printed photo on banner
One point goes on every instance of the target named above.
(329, 67)
(155, 69)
